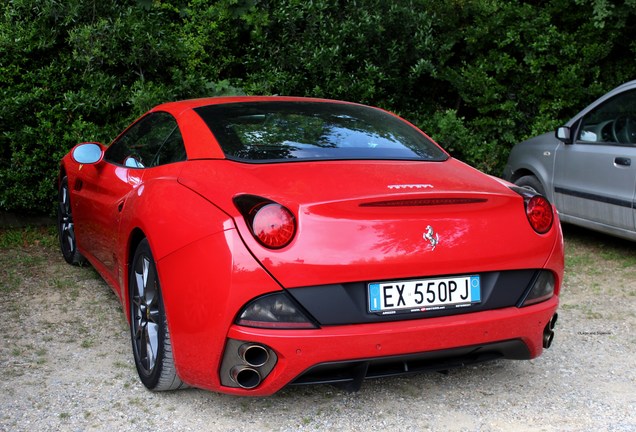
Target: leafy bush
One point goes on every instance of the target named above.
(477, 75)
(76, 71)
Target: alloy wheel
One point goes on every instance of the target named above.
(146, 316)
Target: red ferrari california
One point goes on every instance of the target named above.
(260, 242)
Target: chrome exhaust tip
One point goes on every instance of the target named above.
(548, 332)
(245, 377)
(246, 364)
(254, 355)
(548, 336)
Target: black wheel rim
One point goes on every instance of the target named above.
(65, 222)
(530, 188)
(145, 313)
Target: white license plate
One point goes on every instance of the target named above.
(424, 294)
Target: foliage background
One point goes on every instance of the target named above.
(477, 75)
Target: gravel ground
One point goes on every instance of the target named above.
(66, 365)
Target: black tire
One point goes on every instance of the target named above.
(66, 227)
(532, 183)
(148, 325)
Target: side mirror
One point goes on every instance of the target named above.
(87, 153)
(564, 134)
(133, 162)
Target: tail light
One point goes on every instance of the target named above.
(271, 224)
(538, 210)
(542, 289)
(274, 311)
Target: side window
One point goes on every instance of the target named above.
(154, 140)
(172, 150)
(612, 122)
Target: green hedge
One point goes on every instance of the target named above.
(478, 75)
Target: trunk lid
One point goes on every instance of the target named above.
(379, 220)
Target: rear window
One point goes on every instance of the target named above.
(286, 131)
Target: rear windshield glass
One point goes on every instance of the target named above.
(281, 131)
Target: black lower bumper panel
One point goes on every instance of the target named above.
(350, 374)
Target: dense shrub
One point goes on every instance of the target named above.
(478, 75)
(75, 71)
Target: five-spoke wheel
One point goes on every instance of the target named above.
(148, 326)
(65, 227)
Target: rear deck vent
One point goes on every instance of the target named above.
(420, 202)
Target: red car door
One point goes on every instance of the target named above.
(102, 189)
(101, 192)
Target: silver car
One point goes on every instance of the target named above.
(587, 167)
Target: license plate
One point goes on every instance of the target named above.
(424, 294)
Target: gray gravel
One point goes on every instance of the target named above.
(66, 365)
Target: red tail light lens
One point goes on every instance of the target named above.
(539, 212)
(273, 225)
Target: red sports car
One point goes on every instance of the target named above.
(259, 242)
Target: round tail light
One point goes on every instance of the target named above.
(273, 226)
(539, 213)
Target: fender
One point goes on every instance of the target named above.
(186, 220)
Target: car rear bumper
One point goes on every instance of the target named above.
(204, 290)
(341, 354)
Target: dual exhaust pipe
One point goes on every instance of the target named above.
(548, 332)
(254, 357)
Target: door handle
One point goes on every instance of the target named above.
(624, 161)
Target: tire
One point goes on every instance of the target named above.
(148, 325)
(66, 227)
(532, 183)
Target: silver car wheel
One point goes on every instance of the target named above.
(149, 333)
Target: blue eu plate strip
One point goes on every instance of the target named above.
(374, 297)
(475, 289)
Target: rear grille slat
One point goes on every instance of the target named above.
(422, 202)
